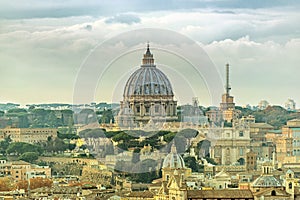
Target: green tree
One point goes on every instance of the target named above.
(4, 144)
(29, 156)
(65, 117)
(19, 148)
(52, 120)
(169, 137)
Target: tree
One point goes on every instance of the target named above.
(192, 163)
(123, 136)
(4, 144)
(19, 148)
(169, 137)
(52, 120)
(6, 184)
(65, 117)
(40, 117)
(56, 145)
(29, 156)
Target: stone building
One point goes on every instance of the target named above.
(148, 97)
(228, 145)
(29, 135)
(21, 170)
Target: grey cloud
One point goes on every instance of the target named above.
(15, 9)
(123, 19)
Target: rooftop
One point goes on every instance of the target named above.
(219, 194)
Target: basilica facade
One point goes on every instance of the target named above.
(148, 97)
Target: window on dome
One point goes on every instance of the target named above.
(157, 108)
(147, 109)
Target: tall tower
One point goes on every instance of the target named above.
(228, 88)
(227, 105)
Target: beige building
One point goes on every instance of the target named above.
(287, 142)
(21, 170)
(229, 145)
(29, 135)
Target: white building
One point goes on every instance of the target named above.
(290, 105)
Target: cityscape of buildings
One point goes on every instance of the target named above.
(148, 147)
(154, 100)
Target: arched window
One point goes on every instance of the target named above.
(290, 185)
(273, 193)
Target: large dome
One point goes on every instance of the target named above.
(148, 99)
(173, 159)
(148, 80)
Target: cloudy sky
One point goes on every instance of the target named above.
(82, 51)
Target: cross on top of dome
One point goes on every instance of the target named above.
(148, 58)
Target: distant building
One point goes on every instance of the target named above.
(288, 143)
(251, 161)
(227, 111)
(263, 104)
(228, 145)
(193, 114)
(227, 106)
(29, 135)
(21, 170)
(290, 105)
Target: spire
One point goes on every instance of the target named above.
(148, 57)
(173, 148)
(228, 88)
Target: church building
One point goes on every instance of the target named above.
(148, 97)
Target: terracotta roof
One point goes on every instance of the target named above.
(268, 192)
(220, 194)
(144, 194)
(260, 125)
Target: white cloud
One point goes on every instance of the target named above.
(259, 70)
(261, 46)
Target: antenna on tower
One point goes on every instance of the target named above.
(228, 88)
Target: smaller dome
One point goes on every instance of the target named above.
(266, 181)
(173, 159)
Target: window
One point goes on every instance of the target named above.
(147, 109)
(273, 193)
(241, 134)
(241, 151)
(156, 108)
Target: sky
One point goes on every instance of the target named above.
(84, 51)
